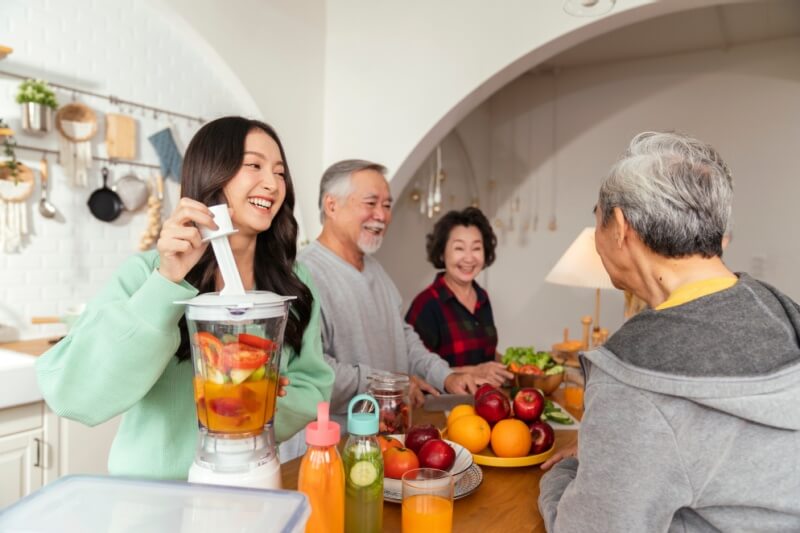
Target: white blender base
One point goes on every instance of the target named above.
(266, 476)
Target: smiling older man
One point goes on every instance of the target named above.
(362, 322)
(691, 420)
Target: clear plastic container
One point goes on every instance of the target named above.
(321, 475)
(390, 389)
(363, 465)
(108, 504)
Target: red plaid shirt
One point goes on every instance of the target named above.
(450, 329)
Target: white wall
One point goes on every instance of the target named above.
(400, 75)
(276, 49)
(745, 101)
(132, 50)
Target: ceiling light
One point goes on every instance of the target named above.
(588, 8)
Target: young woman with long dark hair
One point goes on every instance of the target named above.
(129, 352)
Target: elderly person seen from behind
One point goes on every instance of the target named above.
(691, 420)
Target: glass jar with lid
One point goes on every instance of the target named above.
(390, 390)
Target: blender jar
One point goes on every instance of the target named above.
(236, 347)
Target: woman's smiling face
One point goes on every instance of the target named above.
(463, 253)
(257, 191)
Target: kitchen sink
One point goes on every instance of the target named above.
(17, 379)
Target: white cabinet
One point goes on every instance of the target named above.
(36, 447)
(25, 455)
(20, 466)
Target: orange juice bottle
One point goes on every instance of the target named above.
(427, 512)
(322, 475)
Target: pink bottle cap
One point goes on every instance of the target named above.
(323, 432)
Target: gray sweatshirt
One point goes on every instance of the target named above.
(691, 422)
(363, 327)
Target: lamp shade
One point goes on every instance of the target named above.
(580, 266)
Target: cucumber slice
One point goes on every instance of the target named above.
(240, 374)
(363, 474)
(560, 417)
(258, 373)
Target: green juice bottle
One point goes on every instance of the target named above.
(363, 471)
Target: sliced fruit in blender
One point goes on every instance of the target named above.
(238, 375)
(228, 338)
(242, 356)
(256, 341)
(210, 347)
(227, 406)
(363, 473)
(258, 373)
(215, 376)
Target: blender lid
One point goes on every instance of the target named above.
(238, 301)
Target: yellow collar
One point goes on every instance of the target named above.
(696, 289)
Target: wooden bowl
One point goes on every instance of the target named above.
(546, 384)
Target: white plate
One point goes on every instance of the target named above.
(460, 466)
(465, 486)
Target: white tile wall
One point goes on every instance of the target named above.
(129, 49)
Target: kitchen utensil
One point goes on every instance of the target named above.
(445, 402)
(104, 203)
(120, 136)
(132, 190)
(77, 124)
(46, 209)
(14, 193)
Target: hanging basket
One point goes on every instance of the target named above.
(76, 113)
(36, 118)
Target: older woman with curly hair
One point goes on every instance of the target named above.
(453, 315)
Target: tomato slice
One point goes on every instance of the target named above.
(210, 347)
(255, 341)
(242, 356)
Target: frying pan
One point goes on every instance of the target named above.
(104, 203)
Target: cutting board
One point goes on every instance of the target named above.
(120, 136)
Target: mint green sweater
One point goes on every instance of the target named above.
(120, 358)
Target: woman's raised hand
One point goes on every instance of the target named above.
(180, 244)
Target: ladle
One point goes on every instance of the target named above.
(46, 209)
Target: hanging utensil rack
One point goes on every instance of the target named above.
(96, 158)
(113, 100)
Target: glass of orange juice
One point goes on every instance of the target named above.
(427, 501)
(573, 387)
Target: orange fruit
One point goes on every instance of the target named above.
(470, 431)
(511, 438)
(459, 411)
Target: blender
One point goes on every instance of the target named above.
(236, 339)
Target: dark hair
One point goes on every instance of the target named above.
(471, 216)
(213, 157)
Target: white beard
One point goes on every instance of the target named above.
(370, 244)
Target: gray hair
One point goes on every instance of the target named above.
(336, 180)
(675, 192)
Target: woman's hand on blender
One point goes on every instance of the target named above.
(283, 382)
(180, 244)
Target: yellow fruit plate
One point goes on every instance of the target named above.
(488, 458)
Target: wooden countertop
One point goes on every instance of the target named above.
(506, 500)
(32, 347)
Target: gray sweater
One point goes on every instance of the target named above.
(691, 422)
(363, 327)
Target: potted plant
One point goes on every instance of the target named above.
(9, 168)
(38, 101)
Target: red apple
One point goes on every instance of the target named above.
(543, 437)
(528, 404)
(419, 435)
(493, 407)
(436, 453)
(483, 389)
